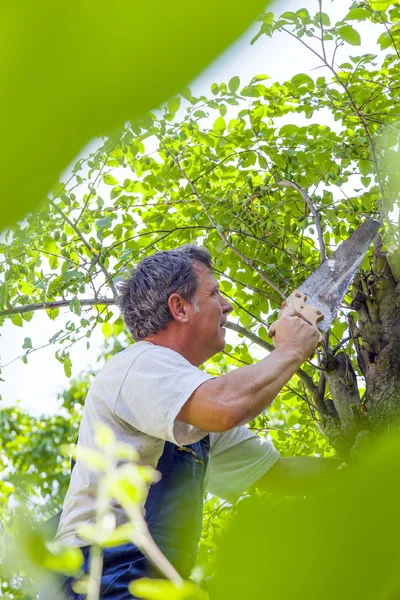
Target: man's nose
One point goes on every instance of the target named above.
(226, 306)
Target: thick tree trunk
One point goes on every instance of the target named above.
(376, 335)
(379, 353)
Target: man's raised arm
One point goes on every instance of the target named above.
(238, 397)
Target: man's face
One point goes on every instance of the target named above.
(212, 313)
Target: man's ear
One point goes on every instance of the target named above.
(179, 308)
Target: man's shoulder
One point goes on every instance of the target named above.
(135, 354)
(128, 355)
(149, 351)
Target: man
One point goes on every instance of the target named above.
(186, 423)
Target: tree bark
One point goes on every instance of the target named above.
(376, 335)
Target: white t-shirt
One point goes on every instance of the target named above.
(139, 394)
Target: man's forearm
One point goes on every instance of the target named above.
(238, 397)
(248, 391)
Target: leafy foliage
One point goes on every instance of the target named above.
(253, 172)
(35, 477)
(228, 171)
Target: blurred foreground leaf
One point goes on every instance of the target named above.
(76, 70)
(340, 543)
(160, 589)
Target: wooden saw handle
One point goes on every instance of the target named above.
(296, 302)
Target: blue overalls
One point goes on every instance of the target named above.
(174, 509)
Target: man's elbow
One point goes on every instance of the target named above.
(214, 408)
(228, 417)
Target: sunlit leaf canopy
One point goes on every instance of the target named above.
(72, 71)
(242, 170)
(238, 169)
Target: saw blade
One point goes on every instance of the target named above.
(328, 285)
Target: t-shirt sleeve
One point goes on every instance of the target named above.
(156, 386)
(238, 458)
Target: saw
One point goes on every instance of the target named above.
(319, 298)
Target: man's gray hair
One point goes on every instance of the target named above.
(144, 296)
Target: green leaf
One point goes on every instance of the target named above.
(104, 223)
(234, 84)
(115, 192)
(268, 18)
(260, 77)
(293, 418)
(220, 124)
(75, 306)
(27, 343)
(160, 589)
(325, 19)
(67, 366)
(52, 313)
(17, 320)
(65, 560)
(3, 294)
(57, 189)
(289, 16)
(215, 88)
(187, 94)
(109, 179)
(249, 90)
(365, 167)
(384, 40)
(381, 4)
(174, 104)
(288, 130)
(302, 79)
(357, 14)
(107, 330)
(303, 14)
(348, 34)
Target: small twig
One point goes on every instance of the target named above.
(235, 358)
(322, 29)
(59, 340)
(342, 343)
(253, 316)
(88, 246)
(390, 35)
(245, 285)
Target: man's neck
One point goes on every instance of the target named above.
(175, 342)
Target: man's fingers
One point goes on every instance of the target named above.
(297, 314)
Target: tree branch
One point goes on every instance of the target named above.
(306, 197)
(250, 335)
(19, 310)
